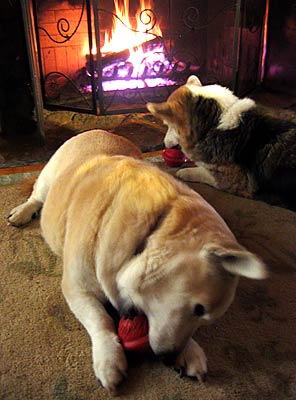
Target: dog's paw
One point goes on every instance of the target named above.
(197, 174)
(109, 362)
(23, 213)
(192, 361)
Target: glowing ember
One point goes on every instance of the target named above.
(139, 71)
(135, 84)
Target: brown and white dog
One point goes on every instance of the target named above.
(132, 235)
(237, 145)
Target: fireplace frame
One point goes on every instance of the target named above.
(97, 103)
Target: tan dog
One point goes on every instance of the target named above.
(133, 235)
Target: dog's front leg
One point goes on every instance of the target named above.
(109, 361)
(192, 361)
(230, 178)
(200, 173)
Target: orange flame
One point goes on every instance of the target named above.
(127, 35)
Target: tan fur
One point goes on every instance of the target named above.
(132, 234)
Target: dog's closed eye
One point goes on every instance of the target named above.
(199, 310)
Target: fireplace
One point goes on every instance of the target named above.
(113, 56)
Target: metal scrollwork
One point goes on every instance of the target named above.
(63, 28)
(55, 82)
(52, 87)
(191, 18)
(146, 13)
(150, 19)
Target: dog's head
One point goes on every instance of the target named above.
(192, 110)
(186, 275)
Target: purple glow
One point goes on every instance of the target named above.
(136, 84)
(141, 70)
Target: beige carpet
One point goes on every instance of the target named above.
(45, 353)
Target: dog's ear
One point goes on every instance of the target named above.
(193, 80)
(160, 110)
(238, 262)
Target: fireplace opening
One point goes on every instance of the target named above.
(113, 56)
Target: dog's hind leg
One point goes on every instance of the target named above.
(27, 211)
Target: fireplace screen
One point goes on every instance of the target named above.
(113, 56)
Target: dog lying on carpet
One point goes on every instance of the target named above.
(237, 146)
(133, 235)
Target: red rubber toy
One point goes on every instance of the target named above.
(174, 157)
(134, 333)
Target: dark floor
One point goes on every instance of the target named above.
(142, 129)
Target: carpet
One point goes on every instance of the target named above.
(45, 353)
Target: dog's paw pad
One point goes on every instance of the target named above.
(23, 214)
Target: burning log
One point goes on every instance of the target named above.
(153, 64)
(115, 58)
(122, 56)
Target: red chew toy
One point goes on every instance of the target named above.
(134, 333)
(174, 157)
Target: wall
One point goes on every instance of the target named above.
(58, 53)
(280, 72)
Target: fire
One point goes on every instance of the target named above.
(143, 63)
(127, 35)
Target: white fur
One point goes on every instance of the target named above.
(172, 137)
(232, 107)
(221, 94)
(197, 174)
(23, 213)
(84, 297)
(231, 118)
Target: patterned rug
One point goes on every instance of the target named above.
(45, 353)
